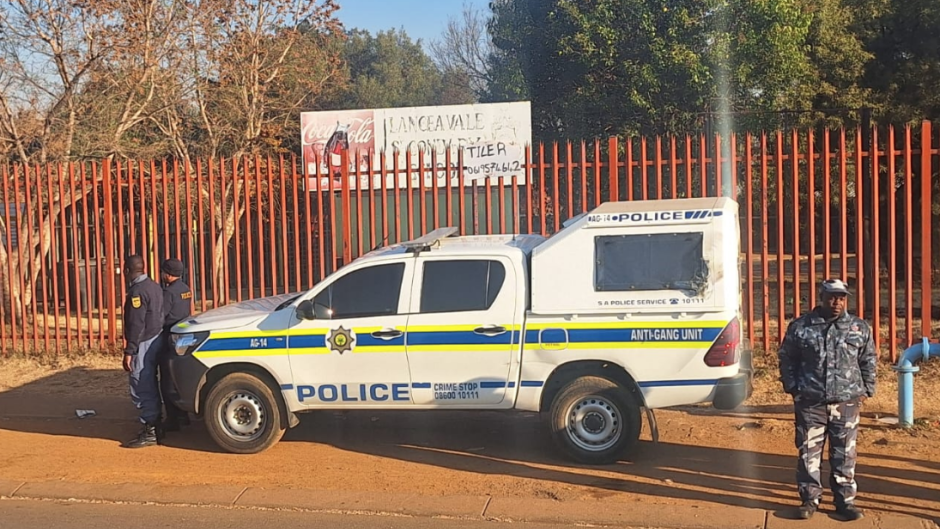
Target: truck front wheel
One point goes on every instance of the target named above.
(595, 420)
(243, 415)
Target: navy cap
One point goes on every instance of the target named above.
(834, 286)
(173, 267)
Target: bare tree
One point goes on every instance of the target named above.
(465, 47)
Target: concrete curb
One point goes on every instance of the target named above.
(463, 507)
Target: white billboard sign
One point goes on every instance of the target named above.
(491, 136)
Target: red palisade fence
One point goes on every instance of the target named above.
(853, 204)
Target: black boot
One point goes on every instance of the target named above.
(146, 437)
(807, 510)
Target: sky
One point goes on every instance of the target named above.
(421, 19)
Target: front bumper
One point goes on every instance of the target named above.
(187, 377)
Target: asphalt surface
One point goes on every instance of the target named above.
(27, 514)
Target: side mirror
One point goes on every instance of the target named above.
(305, 310)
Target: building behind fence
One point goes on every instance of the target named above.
(813, 204)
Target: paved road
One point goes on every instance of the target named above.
(30, 514)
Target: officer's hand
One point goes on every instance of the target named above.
(127, 362)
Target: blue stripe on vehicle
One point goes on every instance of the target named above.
(421, 385)
(681, 334)
(532, 383)
(287, 387)
(676, 383)
(492, 385)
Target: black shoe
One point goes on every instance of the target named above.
(146, 437)
(807, 510)
(849, 513)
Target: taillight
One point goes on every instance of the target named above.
(725, 350)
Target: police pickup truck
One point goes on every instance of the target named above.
(631, 307)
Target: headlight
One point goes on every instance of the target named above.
(184, 344)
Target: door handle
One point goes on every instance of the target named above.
(490, 330)
(387, 334)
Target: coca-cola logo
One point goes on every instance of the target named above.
(318, 129)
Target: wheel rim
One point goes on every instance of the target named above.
(594, 423)
(243, 416)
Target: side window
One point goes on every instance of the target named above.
(372, 291)
(662, 261)
(460, 285)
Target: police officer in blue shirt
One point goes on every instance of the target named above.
(827, 364)
(177, 306)
(143, 322)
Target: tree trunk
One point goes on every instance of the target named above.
(220, 253)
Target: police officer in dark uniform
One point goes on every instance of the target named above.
(827, 363)
(143, 322)
(177, 306)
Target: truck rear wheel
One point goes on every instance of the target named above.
(242, 414)
(595, 420)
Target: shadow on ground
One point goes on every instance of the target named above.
(514, 444)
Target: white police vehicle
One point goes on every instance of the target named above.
(631, 307)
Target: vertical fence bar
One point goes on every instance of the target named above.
(718, 171)
(109, 249)
(270, 218)
(303, 178)
(358, 175)
(321, 222)
(673, 169)
(584, 177)
(165, 196)
(51, 275)
(614, 171)
(703, 164)
(811, 193)
(515, 202)
(876, 242)
(434, 191)
(781, 268)
(489, 205)
(222, 294)
(331, 198)
(569, 165)
(201, 215)
(461, 191)
(797, 265)
(543, 196)
(176, 210)
(843, 197)
(408, 197)
(926, 227)
(422, 207)
(10, 225)
(827, 205)
(598, 194)
(295, 213)
(688, 166)
(189, 230)
(644, 170)
(87, 244)
(502, 204)
(73, 199)
(131, 216)
(765, 244)
(99, 276)
(909, 241)
(383, 185)
(253, 250)
(749, 215)
(860, 222)
(283, 240)
(370, 172)
(63, 245)
(26, 258)
(556, 192)
(449, 188)
(892, 247)
(214, 283)
(237, 182)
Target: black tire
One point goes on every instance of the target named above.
(243, 415)
(594, 405)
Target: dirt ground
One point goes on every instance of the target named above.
(743, 458)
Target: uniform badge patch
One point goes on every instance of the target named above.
(341, 340)
(135, 302)
(186, 295)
